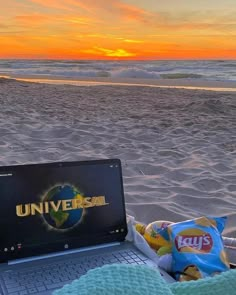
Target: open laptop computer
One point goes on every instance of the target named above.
(58, 220)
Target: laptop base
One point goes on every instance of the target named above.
(46, 275)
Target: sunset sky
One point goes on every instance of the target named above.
(118, 29)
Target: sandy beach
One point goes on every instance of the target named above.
(177, 146)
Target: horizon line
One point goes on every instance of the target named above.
(121, 59)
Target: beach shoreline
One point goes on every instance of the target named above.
(189, 83)
(177, 146)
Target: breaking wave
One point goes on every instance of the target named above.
(206, 70)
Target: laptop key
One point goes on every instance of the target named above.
(48, 282)
(140, 262)
(57, 285)
(38, 284)
(114, 260)
(32, 290)
(11, 285)
(57, 280)
(17, 289)
(29, 286)
(41, 289)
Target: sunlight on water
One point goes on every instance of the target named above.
(96, 83)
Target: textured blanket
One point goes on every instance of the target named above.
(142, 280)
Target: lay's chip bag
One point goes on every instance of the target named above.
(197, 248)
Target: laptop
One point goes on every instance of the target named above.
(58, 220)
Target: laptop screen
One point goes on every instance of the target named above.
(57, 206)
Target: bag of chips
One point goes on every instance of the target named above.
(197, 248)
(155, 233)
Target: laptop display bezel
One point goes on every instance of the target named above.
(51, 248)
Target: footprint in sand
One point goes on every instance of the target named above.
(207, 185)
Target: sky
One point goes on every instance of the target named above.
(118, 29)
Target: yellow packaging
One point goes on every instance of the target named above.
(155, 233)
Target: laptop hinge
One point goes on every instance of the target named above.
(62, 253)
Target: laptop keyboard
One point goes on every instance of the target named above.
(55, 275)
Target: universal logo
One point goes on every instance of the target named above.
(23, 210)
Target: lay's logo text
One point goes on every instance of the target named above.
(190, 243)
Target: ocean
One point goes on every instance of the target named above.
(213, 70)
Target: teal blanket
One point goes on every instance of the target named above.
(142, 280)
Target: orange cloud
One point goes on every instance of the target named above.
(68, 5)
(132, 41)
(117, 8)
(3, 26)
(55, 4)
(31, 19)
(196, 26)
(131, 12)
(79, 20)
(109, 52)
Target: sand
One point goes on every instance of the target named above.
(177, 146)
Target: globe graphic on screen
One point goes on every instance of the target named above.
(58, 219)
